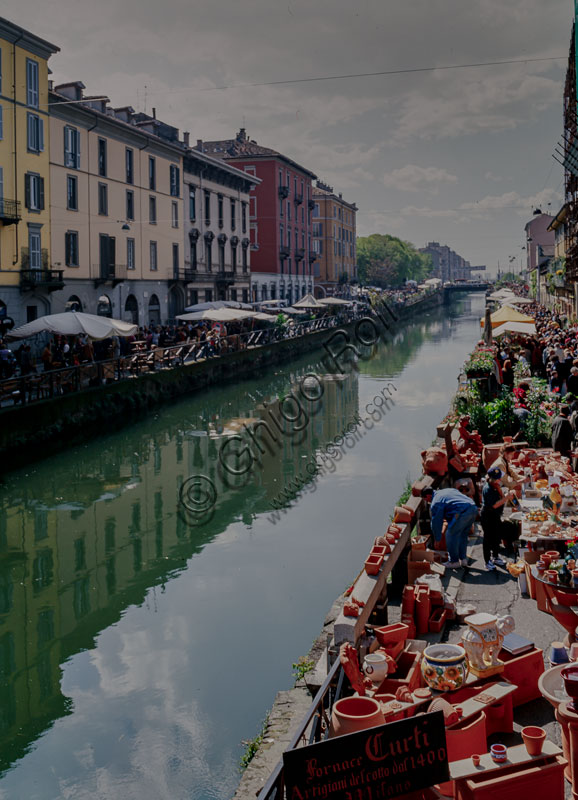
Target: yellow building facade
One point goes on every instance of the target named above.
(25, 270)
(334, 239)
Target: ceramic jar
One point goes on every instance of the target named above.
(444, 667)
(351, 714)
(376, 667)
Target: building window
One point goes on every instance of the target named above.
(288, 209)
(175, 258)
(207, 208)
(1, 122)
(153, 257)
(233, 294)
(193, 253)
(174, 180)
(192, 203)
(33, 192)
(233, 215)
(208, 255)
(208, 295)
(32, 97)
(152, 210)
(220, 209)
(103, 199)
(130, 261)
(71, 147)
(72, 192)
(244, 217)
(129, 204)
(253, 208)
(221, 257)
(234, 258)
(102, 158)
(34, 250)
(316, 210)
(71, 248)
(281, 208)
(245, 295)
(129, 164)
(35, 133)
(0, 71)
(152, 174)
(175, 215)
(244, 259)
(281, 234)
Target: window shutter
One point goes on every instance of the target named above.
(30, 131)
(27, 191)
(40, 123)
(77, 148)
(40, 193)
(67, 249)
(1, 122)
(111, 251)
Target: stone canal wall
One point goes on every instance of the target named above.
(28, 433)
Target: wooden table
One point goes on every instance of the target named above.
(517, 755)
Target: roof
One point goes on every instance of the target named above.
(559, 218)
(320, 191)
(25, 39)
(243, 147)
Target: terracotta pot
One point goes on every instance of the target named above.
(554, 555)
(534, 738)
(408, 600)
(373, 564)
(499, 753)
(570, 676)
(546, 560)
(476, 760)
(388, 635)
(378, 550)
(351, 714)
(401, 515)
(551, 575)
(450, 714)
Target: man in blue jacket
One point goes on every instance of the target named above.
(460, 511)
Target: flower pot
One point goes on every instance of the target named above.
(558, 654)
(554, 555)
(389, 635)
(546, 560)
(402, 515)
(373, 564)
(444, 667)
(551, 576)
(450, 714)
(379, 550)
(476, 759)
(534, 738)
(376, 666)
(351, 714)
(499, 753)
(570, 676)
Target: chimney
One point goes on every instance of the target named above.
(200, 145)
(242, 135)
(154, 113)
(186, 137)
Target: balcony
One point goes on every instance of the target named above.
(313, 256)
(299, 254)
(182, 276)
(197, 275)
(284, 252)
(110, 273)
(9, 211)
(225, 278)
(48, 279)
(283, 192)
(299, 198)
(311, 205)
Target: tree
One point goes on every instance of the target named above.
(385, 260)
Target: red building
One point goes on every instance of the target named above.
(280, 218)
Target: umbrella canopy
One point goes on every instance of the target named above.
(502, 294)
(517, 301)
(507, 314)
(433, 281)
(527, 328)
(218, 304)
(292, 310)
(71, 323)
(217, 315)
(308, 302)
(488, 327)
(334, 301)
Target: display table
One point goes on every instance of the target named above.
(563, 603)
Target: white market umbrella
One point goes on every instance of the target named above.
(518, 301)
(308, 302)
(218, 304)
(334, 301)
(527, 328)
(217, 315)
(73, 323)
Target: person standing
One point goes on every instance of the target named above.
(460, 512)
(493, 502)
(562, 433)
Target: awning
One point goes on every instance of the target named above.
(73, 323)
(527, 328)
(507, 314)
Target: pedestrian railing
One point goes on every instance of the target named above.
(314, 727)
(68, 379)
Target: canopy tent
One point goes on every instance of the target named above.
(527, 328)
(217, 315)
(218, 304)
(517, 301)
(72, 323)
(433, 282)
(308, 302)
(507, 314)
(334, 301)
(501, 294)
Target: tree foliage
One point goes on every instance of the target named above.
(385, 260)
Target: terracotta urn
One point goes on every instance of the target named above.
(444, 667)
(570, 676)
(534, 738)
(351, 714)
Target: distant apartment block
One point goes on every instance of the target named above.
(448, 265)
(334, 239)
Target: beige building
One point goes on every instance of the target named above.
(116, 202)
(334, 239)
(217, 233)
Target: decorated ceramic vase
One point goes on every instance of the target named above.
(444, 667)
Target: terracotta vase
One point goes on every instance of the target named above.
(351, 714)
(444, 667)
(534, 738)
(554, 555)
(408, 600)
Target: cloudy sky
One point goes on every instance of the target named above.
(461, 156)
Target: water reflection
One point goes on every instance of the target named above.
(85, 535)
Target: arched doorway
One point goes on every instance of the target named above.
(131, 309)
(104, 306)
(176, 301)
(154, 311)
(73, 303)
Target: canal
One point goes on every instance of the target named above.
(140, 642)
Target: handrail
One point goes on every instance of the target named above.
(275, 782)
(46, 384)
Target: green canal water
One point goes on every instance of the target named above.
(140, 643)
